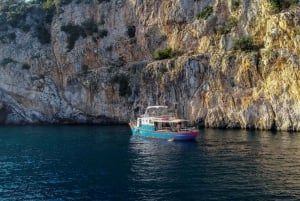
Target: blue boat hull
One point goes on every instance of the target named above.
(167, 135)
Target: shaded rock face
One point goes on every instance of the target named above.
(107, 75)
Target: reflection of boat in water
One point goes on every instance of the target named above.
(157, 122)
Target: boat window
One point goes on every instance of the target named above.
(166, 126)
(155, 126)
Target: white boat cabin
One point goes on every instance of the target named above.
(159, 118)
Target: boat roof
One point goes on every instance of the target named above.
(158, 111)
(163, 120)
(156, 107)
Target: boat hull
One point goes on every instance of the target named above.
(167, 135)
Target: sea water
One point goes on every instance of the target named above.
(108, 163)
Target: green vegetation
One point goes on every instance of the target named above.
(101, 1)
(235, 4)
(26, 66)
(102, 33)
(279, 5)
(13, 11)
(164, 37)
(244, 44)
(87, 28)
(6, 61)
(223, 30)
(84, 68)
(109, 48)
(123, 82)
(73, 32)
(26, 28)
(232, 22)
(166, 53)
(53, 4)
(8, 37)
(43, 34)
(90, 1)
(205, 13)
(51, 7)
(102, 20)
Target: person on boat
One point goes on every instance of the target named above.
(178, 126)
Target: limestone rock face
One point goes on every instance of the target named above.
(107, 74)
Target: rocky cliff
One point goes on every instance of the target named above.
(236, 63)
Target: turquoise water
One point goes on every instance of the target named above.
(107, 163)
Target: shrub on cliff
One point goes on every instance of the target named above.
(73, 33)
(49, 4)
(26, 66)
(13, 12)
(162, 53)
(205, 13)
(232, 22)
(101, 1)
(278, 5)
(102, 33)
(7, 38)
(235, 4)
(166, 53)
(123, 82)
(87, 28)
(224, 29)
(6, 61)
(43, 34)
(244, 44)
(90, 27)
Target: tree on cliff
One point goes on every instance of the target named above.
(14, 13)
(49, 4)
(278, 5)
(11, 11)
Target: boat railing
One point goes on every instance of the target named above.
(159, 115)
(186, 129)
(168, 129)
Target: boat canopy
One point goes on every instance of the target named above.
(166, 120)
(157, 110)
(157, 106)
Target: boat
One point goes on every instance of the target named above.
(157, 122)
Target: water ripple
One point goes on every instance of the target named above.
(92, 163)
